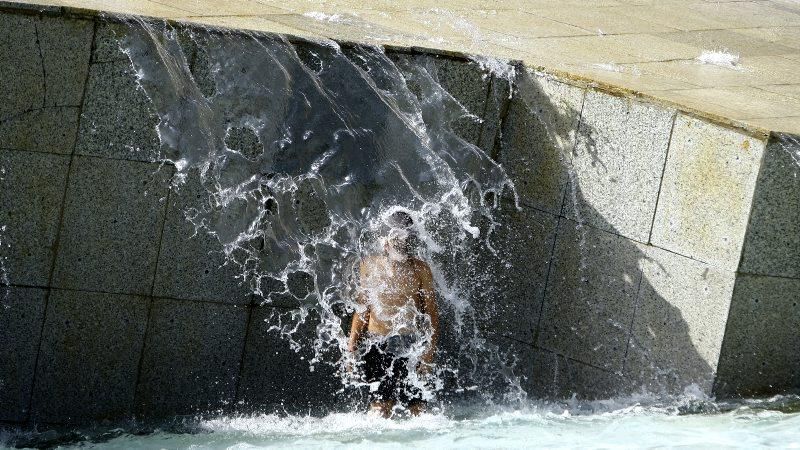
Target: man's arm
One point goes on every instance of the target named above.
(361, 315)
(428, 297)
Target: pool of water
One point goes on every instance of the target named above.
(619, 423)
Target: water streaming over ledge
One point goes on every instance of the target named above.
(302, 151)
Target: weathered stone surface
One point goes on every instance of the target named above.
(118, 119)
(277, 377)
(89, 356)
(590, 296)
(43, 66)
(772, 241)
(193, 266)
(509, 294)
(107, 42)
(31, 191)
(50, 130)
(557, 377)
(65, 46)
(44, 61)
(680, 321)
(469, 85)
(707, 192)
(191, 359)
(759, 353)
(618, 161)
(113, 218)
(21, 316)
(538, 133)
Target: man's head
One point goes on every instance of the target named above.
(399, 242)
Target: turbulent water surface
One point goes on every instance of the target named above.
(620, 423)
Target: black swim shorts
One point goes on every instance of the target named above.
(391, 374)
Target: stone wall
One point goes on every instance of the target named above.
(643, 233)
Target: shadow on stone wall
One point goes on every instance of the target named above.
(609, 313)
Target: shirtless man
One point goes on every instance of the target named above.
(398, 319)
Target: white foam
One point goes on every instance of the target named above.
(719, 58)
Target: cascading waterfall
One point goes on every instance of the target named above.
(339, 137)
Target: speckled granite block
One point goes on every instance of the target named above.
(275, 376)
(538, 133)
(89, 356)
(49, 130)
(191, 358)
(759, 354)
(31, 192)
(118, 119)
(509, 294)
(707, 192)
(680, 321)
(21, 316)
(112, 224)
(43, 67)
(618, 161)
(193, 266)
(772, 241)
(590, 296)
(556, 377)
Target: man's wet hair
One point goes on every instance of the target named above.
(400, 219)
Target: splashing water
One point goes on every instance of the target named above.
(340, 138)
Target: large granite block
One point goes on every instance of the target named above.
(772, 241)
(510, 293)
(43, 67)
(50, 130)
(118, 119)
(89, 357)
(680, 320)
(538, 133)
(113, 218)
(469, 85)
(21, 316)
(193, 266)
(618, 161)
(557, 377)
(44, 61)
(706, 193)
(191, 357)
(276, 376)
(31, 192)
(760, 351)
(591, 292)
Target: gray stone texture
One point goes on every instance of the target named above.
(193, 266)
(510, 294)
(50, 129)
(191, 358)
(118, 120)
(31, 192)
(277, 377)
(469, 85)
(556, 377)
(618, 161)
(43, 67)
(707, 192)
(772, 241)
(680, 319)
(591, 293)
(538, 133)
(21, 316)
(760, 352)
(89, 355)
(113, 218)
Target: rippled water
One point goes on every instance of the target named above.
(621, 423)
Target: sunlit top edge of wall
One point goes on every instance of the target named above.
(44, 7)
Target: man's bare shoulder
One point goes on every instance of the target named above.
(421, 266)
